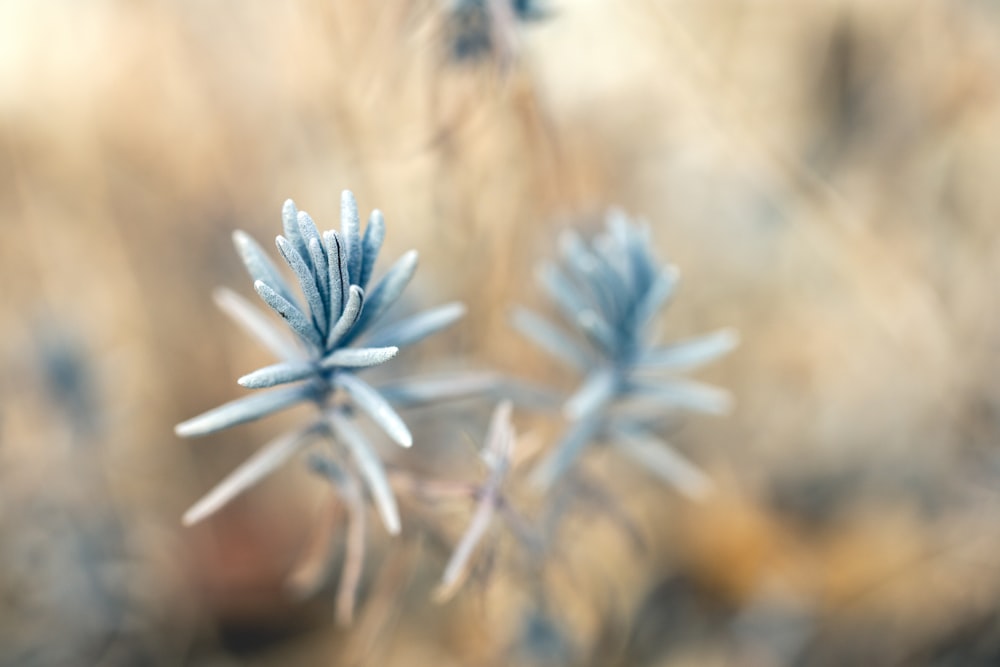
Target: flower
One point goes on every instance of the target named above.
(610, 291)
(337, 333)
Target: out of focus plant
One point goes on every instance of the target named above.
(610, 290)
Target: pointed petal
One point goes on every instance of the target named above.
(552, 340)
(299, 323)
(350, 229)
(371, 245)
(307, 281)
(284, 373)
(243, 410)
(376, 407)
(266, 460)
(341, 331)
(414, 329)
(359, 357)
(259, 325)
(259, 265)
(370, 466)
(664, 462)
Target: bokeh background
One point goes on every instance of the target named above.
(823, 173)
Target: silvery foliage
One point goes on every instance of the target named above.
(610, 292)
(337, 333)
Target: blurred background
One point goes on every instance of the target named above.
(824, 174)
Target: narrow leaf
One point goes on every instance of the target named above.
(259, 265)
(420, 390)
(371, 245)
(563, 293)
(414, 329)
(598, 390)
(265, 461)
(284, 373)
(370, 466)
(243, 410)
(321, 275)
(656, 297)
(372, 403)
(256, 323)
(338, 279)
(458, 563)
(566, 451)
(299, 323)
(691, 353)
(599, 332)
(350, 229)
(359, 357)
(664, 462)
(290, 223)
(307, 281)
(387, 291)
(684, 394)
(348, 322)
(551, 339)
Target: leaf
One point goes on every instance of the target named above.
(566, 451)
(414, 329)
(265, 460)
(259, 265)
(341, 330)
(376, 407)
(359, 357)
(420, 390)
(290, 223)
(387, 291)
(552, 340)
(684, 394)
(307, 281)
(690, 353)
(656, 297)
(662, 461)
(599, 332)
(350, 229)
(370, 466)
(243, 410)
(599, 388)
(283, 373)
(371, 245)
(299, 323)
(458, 563)
(321, 276)
(339, 281)
(256, 323)
(562, 292)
